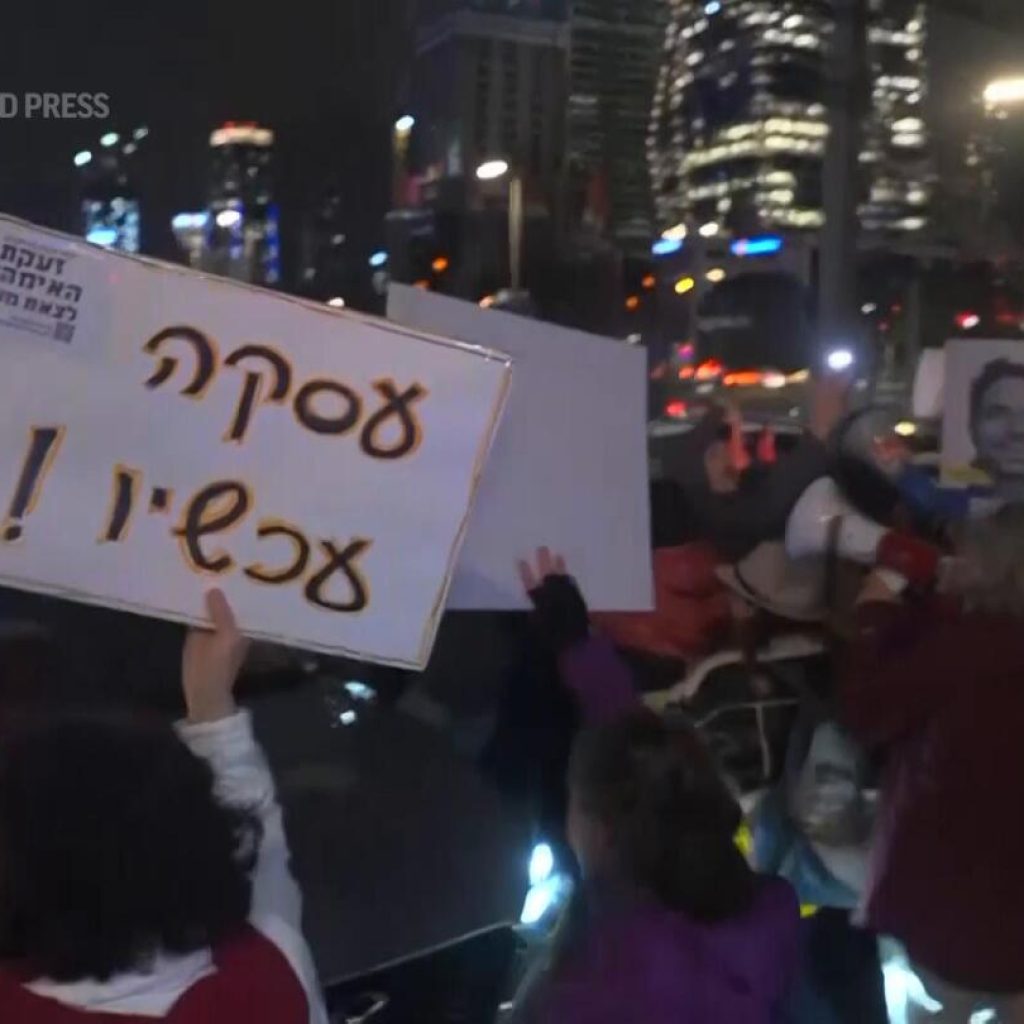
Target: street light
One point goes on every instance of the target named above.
(228, 218)
(492, 170)
(405, 124)
(1004, 91)
(82, 158)
(110, 139)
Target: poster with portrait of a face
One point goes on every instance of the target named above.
(983, 420)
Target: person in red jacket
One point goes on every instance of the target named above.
(144, 872)
(937, 685)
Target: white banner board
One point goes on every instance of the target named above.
(162, 432)
(569, 466)
(983, 416)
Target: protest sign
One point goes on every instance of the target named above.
(983, 416)
(569, 466)
(162, 432)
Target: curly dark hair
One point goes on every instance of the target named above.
(113, 847)
(668, 812)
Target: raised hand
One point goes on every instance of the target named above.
(211, 661)
(547, 564)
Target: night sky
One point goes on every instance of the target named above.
(324, 74)
(327, 75)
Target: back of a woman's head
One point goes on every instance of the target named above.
(112, 847)
(666, 812)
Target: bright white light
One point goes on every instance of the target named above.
(337, 302)
(1004, 90)
(347, 717)
(492, 169)
(774, 381)
(716, 275)
(905, 428)
(228, 218)
(970, 321)
(129, 149)
(82, 158)
(675, 234)
(868, 308)
(378, 259)
(840, 359)
(405, 124)
(710, 229)
(542, 863)
(360, 691)
(110, 139)
(140, 133)
(539, 901)
(713, 7)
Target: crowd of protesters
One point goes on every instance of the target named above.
(789, 791)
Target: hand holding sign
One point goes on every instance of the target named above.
(211, 661)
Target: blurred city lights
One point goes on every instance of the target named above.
(82, 158)
(405, 124)
(868, 308)
(423, 284)
(716, 275)
(140, 133)
(110, 139)
(440, 265)
(713, 7)
(666, 246)
(676, 410)
(542, 863)
(378, 259)
(649, 282)
(685, 285)
(633, 303)
(905, 428)
(1004, 90)
(487, 301)
(228, 218)
(774, 380)
(839, 359)
(709, 230)
(492, 169)
(763, 245)
(102, 236)
(675, 234)
(187, 221)
(967, 321)
(129, 149)
(337, 302)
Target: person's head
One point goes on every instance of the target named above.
(648, 806)
(720, 466)
(113, 847)
(987, 572)
(997, 420)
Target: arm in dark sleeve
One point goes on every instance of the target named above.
(589, 666)
(899, 669)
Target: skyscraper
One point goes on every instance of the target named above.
(740, 119)
(895, 151)
(108, 191)
(488, 87)
(242, 230)
(614, 54)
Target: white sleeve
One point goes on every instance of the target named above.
(242, 779)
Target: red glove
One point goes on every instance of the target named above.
(913, 559)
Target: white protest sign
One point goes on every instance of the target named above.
(569, 466)
(162, 432)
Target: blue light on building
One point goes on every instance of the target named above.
(666, 246)
(763, 245)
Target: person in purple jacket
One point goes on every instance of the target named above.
(669, 925)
